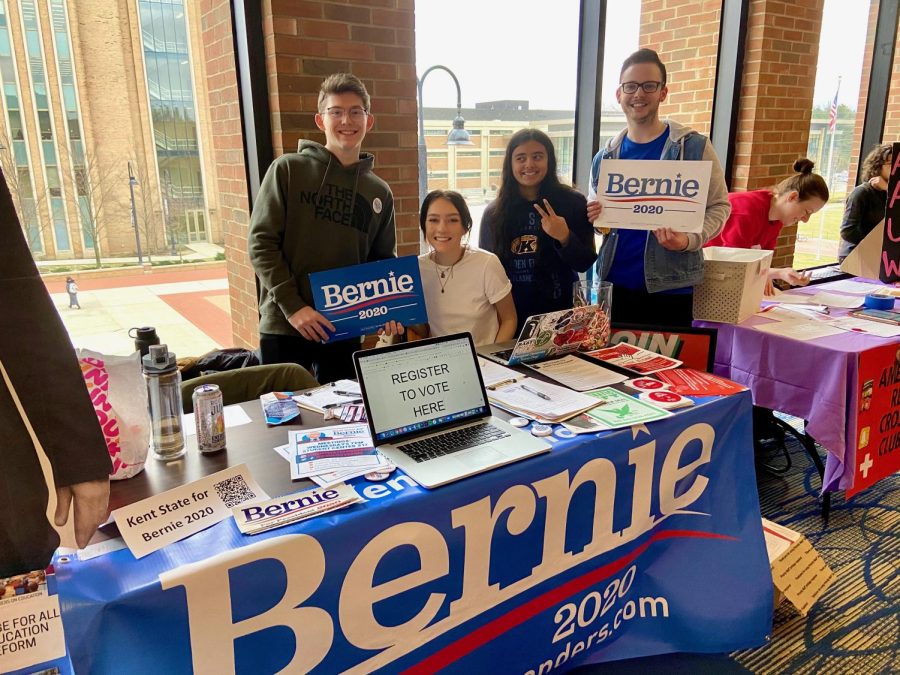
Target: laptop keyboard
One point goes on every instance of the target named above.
(452, 441)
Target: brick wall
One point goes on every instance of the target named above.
(685, 33)
(306, 40)
(230, 175)
(892, 118)
(863, 94)
(777, 98)
(776, 92)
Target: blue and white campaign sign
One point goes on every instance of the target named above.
(641, 195)
(615, 545)
(360, 299)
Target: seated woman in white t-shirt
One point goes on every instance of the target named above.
(466, 289)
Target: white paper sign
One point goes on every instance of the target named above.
(642, 195)
(31, 631)
(163, 519)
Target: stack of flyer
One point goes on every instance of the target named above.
(262, 516)
(330, 455)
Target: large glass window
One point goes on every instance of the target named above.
(516, 69)
(838, 111)
(167, 62)
(13, 149)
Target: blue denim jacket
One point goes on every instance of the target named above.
(664, 269)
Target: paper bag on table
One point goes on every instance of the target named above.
(865, 260)
(117, 390)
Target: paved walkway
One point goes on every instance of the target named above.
(189, 310)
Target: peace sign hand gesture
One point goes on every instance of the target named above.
(554, 225)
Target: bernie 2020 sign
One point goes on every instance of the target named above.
(360, 299)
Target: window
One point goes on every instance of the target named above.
(839, 80)
(513, 80)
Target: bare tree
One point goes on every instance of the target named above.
(27, 200)
(96, 184)
(148, 205)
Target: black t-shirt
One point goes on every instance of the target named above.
(863, 211)
(541, 271)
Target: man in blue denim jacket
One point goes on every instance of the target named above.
(653, 276)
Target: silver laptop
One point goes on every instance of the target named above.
(551, 334)
(429, 413)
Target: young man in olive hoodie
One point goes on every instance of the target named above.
(318, 209)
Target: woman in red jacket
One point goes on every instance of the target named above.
(757, 216)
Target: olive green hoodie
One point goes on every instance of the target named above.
(314, 214)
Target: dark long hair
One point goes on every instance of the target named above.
(508, 196)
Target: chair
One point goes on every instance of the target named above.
(246, 384)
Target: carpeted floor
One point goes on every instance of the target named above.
(855, 626)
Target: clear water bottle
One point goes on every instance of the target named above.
(164, 395)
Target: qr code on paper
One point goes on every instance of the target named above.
(234, 491)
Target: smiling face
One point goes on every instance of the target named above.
(345, 123)
(529, 166)
(641, 107)
(444, 230)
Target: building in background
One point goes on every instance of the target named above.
(474, 170)
(100, 97)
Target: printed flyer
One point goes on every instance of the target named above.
(264, 516)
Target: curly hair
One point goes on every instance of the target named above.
(878, 157)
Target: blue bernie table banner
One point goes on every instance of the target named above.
(615, 545)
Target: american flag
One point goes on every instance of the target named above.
(832, 114)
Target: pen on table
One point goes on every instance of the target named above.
(329, 406)
(535, 392)
(345, 393)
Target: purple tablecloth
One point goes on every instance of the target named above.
(812, 379)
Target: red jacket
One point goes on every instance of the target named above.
(749, 226)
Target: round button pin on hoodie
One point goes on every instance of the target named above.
(376, 205)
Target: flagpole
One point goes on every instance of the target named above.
(829, 172)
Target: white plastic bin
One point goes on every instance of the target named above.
(734, 280)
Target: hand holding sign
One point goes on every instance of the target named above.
(311, 325)
(670, 239)
(554, 225)
(594, 209)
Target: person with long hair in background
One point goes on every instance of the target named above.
(538, 227)
(866, 204)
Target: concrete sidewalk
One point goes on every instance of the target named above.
(190, 312)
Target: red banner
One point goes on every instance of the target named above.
(878, 417)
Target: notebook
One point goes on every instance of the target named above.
(429, 412)
(552, 334)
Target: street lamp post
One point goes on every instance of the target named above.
(457, 136)
(132, 181)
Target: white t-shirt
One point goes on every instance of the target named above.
(471, 288)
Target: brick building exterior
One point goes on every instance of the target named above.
(110, 115)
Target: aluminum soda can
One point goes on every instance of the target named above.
(209, 418)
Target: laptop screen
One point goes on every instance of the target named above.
(421, 386)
